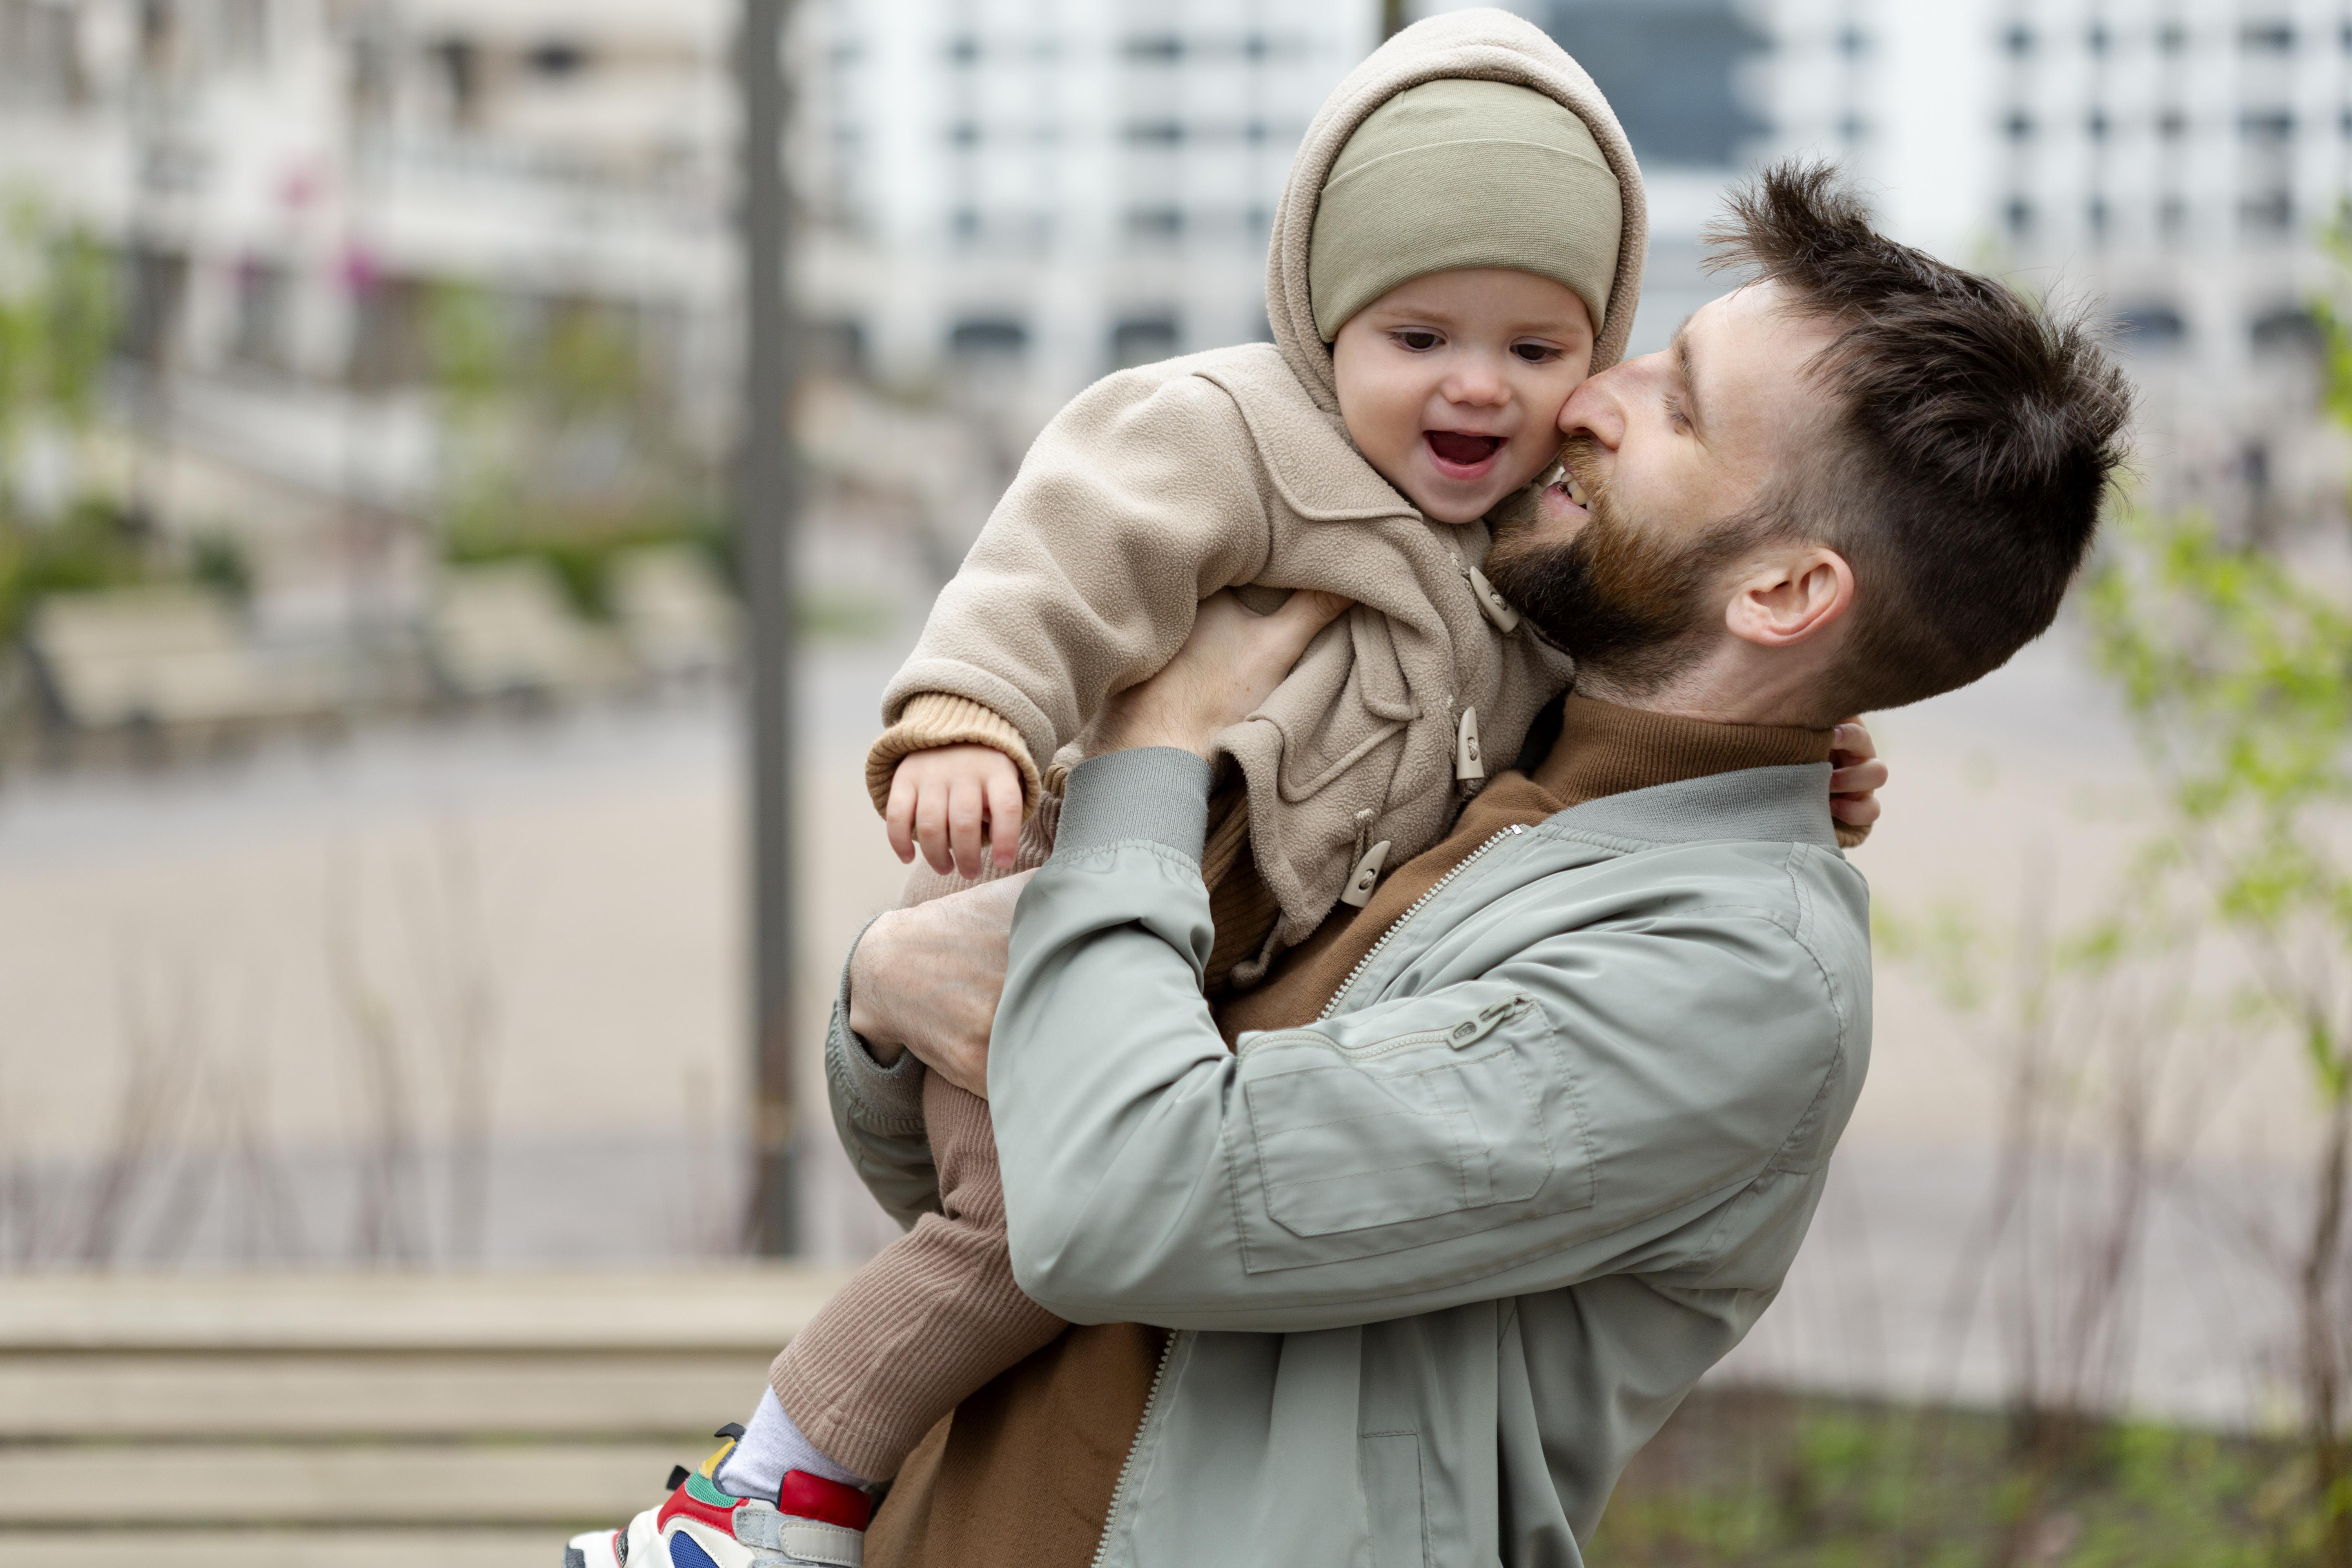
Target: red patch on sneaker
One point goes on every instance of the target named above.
(695, 1508)
(804, 1496)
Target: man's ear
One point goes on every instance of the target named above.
(1791, 595)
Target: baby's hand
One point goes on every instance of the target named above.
(950, 800)
(1856, 775)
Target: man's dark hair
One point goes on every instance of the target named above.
(1974, 438)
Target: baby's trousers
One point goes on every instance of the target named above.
(936, 1314)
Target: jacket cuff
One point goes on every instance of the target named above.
(936, 719)
(1157, 793)
(885, 1100)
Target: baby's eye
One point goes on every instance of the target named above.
(1536, 354)
(1420, 340)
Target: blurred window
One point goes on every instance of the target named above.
(1160, 49)
(2267, 36)
(966, 223)
(40, 53)
(2172, 124)
(2018, 39)
(2099, 39)
(2267, 124)
(459, 61)
(2018, 125)
(2097, 217)
(2019, 215)
(388, 347)
(2172, 217)
(1156, 132)
(2172, 38)
(241, 33)
(1852, 42)
(1672, 70)
(2267, 212)
(264, 292)
(159, 290)
(1142, 339)
(2284, 329)
(1163, 224)
(964, 49)
(835, 348)
(2097, 124)
(987, 338)
(559, 57)
(2151, 329)
(2344, 123)
(964, 133)
(1853, 128)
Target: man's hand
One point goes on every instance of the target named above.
(1856, 775)
(926, 980)
(1227, 666)
(955, 803)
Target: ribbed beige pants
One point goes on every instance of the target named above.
(936, 1314)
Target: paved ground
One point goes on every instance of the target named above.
(476, 992)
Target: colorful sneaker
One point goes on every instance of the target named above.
(814, 1523)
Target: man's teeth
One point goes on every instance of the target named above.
(1576, 493)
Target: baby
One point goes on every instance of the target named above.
(1460, 245)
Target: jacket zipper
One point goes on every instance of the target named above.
(1412, 909)
(1118, 1498)
(1120, 1490)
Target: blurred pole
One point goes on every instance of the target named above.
(1394, 15)
(766, 511)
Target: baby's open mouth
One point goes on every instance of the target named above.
(1460, 449)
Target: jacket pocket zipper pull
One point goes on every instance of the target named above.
(1468, 765)
(1365, 876)
(1470, 1031)
(1491, 605)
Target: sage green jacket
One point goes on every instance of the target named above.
(1442, 1261)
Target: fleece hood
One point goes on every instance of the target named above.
(1480, 45)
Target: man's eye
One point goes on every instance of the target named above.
(1417, 340)
(1536, 354)
(1674, 413)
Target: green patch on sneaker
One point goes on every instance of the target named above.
(702, 1488)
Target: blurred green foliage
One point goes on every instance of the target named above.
(1773, 1481)
(553, 446)
(57, 326)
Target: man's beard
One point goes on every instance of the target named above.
(1628, 602)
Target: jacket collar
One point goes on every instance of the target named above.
(1788, 804)
(1315, 468)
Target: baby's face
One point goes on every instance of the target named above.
(1452, 385)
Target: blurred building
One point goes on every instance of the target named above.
(1015, 197)
(288, 184)
(2185, 159)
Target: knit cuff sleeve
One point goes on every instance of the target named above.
(935, 719)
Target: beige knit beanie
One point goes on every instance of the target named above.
(1462, 173)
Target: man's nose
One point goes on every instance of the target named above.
(1597, 409)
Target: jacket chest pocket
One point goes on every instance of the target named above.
(1355, 1157)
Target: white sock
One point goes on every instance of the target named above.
(770, 1445)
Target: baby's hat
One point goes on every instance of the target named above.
(1463, 173)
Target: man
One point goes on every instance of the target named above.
(1506, 1159)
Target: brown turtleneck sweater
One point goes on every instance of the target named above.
(1021, 1476)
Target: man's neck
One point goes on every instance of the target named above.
(1738, 683)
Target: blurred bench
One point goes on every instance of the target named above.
(506, 629)
(167, 656)
(677, 616)
(365, 1420)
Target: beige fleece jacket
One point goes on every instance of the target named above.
(1157, 487)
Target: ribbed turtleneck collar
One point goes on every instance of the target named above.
(1605, 749)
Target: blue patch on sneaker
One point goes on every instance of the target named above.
(685, 1554)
